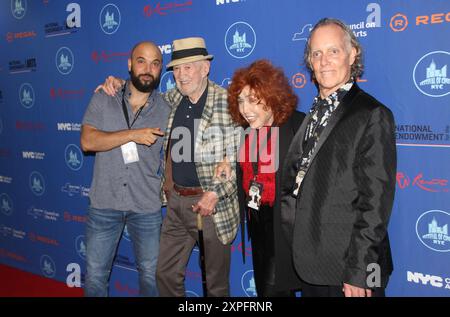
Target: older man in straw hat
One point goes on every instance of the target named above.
(199, 134)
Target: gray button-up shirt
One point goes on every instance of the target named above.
(116, 185)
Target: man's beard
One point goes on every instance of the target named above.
(144, 86)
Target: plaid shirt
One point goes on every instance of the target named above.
(216, 138)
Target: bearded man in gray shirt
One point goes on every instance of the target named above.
(124, 131)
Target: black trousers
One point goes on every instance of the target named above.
(260, 226)
(309, 290)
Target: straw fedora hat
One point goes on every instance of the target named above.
(188, 50)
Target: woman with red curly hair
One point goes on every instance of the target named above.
(261, 99)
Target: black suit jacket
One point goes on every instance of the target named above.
(338, 222)
(285, 276)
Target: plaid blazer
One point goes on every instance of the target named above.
(216, 137)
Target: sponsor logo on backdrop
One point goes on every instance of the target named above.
(11, 255)
(125, 289)
(220, 2)
(165, 49)
(303, 34)
(110, 19)
(10, 36)
(80, 246)
(432, 230)
(108, 57)
(48, 266)
(373, 20)
(37, 183)
(68, 126)
(75, 190)
(73, 157)
(42, 239)
(420, 132)
(33, 155)
(430, 74)
(226, 82)
(66, 93)
(4, 152)
(6, 204)
(18, 8)
(298, 80)
(30, 126)
(70, 25)
(163, 8)
(68, 217)
(26, 66)
(13, 233)
(5, 179)
(240, 39)
(433, 185)
(191, 294)
(399, 22)
(26, 95)
(248, 284)
(39, 213)
(64, 60)
(167, 82)
(428, 279)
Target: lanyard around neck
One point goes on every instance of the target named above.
(125, 110)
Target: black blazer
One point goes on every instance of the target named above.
(285, 276)
(339, 220)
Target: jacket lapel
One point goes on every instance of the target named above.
(340, 111)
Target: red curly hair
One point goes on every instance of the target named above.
(269, 84)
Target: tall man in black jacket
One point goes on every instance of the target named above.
(340, 175)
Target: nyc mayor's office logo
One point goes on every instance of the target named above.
(431, 75)
(37, 183)
(6, 204)
(240, 39)
(248, 284)
(432, 230)
(110, 19)
(18, 8)
(80, 246)
(167, 82)
(73, 157)
(48, 266)
(26, 95)
(64, 60)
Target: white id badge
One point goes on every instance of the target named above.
(130, 153)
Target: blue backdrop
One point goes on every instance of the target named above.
(54, 53)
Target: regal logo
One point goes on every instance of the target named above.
(430, 74)
(240, 40)
(110, 19)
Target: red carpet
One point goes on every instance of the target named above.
(17, 283)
